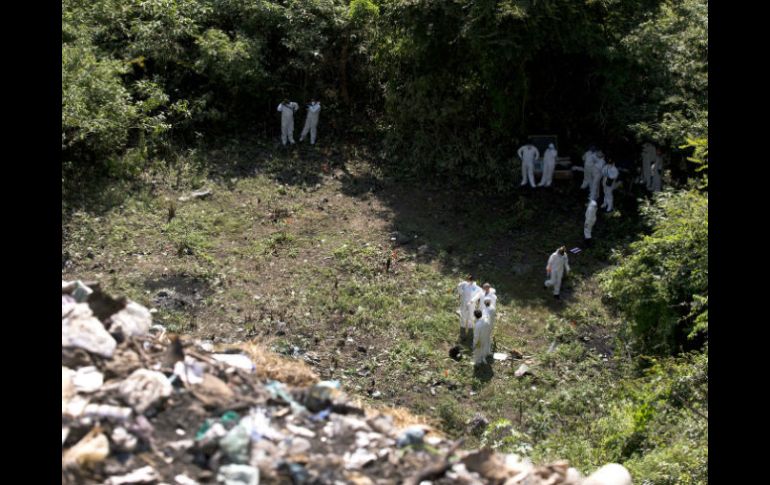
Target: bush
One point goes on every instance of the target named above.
(661, 285)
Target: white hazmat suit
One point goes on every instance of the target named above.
(311, 122)
(489, 311)
(657, 174)
(648, 158)
(557, 265)
(610, 181)
(478, 298)
(588, 168)
(467, 291)
(287, 121)
(528, 154)
(549, 165)
(590, 219)
(482, 339)
(596, 176)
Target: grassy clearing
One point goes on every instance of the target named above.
(291, 248)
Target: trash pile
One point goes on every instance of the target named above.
(140, 406)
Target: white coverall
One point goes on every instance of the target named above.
(287, 121)
(596, 177)
(467, 291)
(657, 174)
(482, 340)
(557, 264)
(590, 219)
(610, 173)
(489, 312)
(588, 168)
(549, 165)
(528, 154)
(478, 299)
(648, 158)
(311, 122)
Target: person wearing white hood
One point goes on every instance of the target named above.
(596, 176)
(311, 122)
(528, 154)
(467, 290)
(482, 337)
(656, 184)
(610, 181)
(588, 166)
(590, 221)
(486, 292)
(648, 158)
(287, 110)
(558, 264)
(549, 165)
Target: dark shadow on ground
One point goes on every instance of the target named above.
(483, 372)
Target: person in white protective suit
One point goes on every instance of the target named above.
(489, 310)
(588, 167)
(648, 158)
(486, 292)
(549, 165)
(610, 182)
(558, 265)
(482, 336)
(596, 176)
(528, 154)
(590, 221)
(657, 173)
(311, 122)
(287, 110)
(466, 291)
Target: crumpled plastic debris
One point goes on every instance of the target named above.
(81, 329)
(238, 361)
(123, 440)
(411, 436)
(319, 437)
(133, 320)
(183, 479)
(87, 379)
(92, 448)
(358, 459)
(190, 371)
(238, 475)
(235, 444)
(143, 388)
(145, 474)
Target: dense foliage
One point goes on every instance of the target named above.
(454, 87)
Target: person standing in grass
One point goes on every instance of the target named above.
(482, 335)
(558, 266)
(466, 291)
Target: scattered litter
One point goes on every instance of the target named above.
(184, 480)
(92, 448)
(199, 194)
(575, 250)
(81, 329)
(126, 416)
(133, 320)
(411, 436)
(238, 475)
(500, 356)
(522, 370)
(145, 387)
(142, 475)
(239, 361)
(87, 379)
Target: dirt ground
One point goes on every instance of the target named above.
(292, 248)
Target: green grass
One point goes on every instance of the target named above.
(266, 253)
